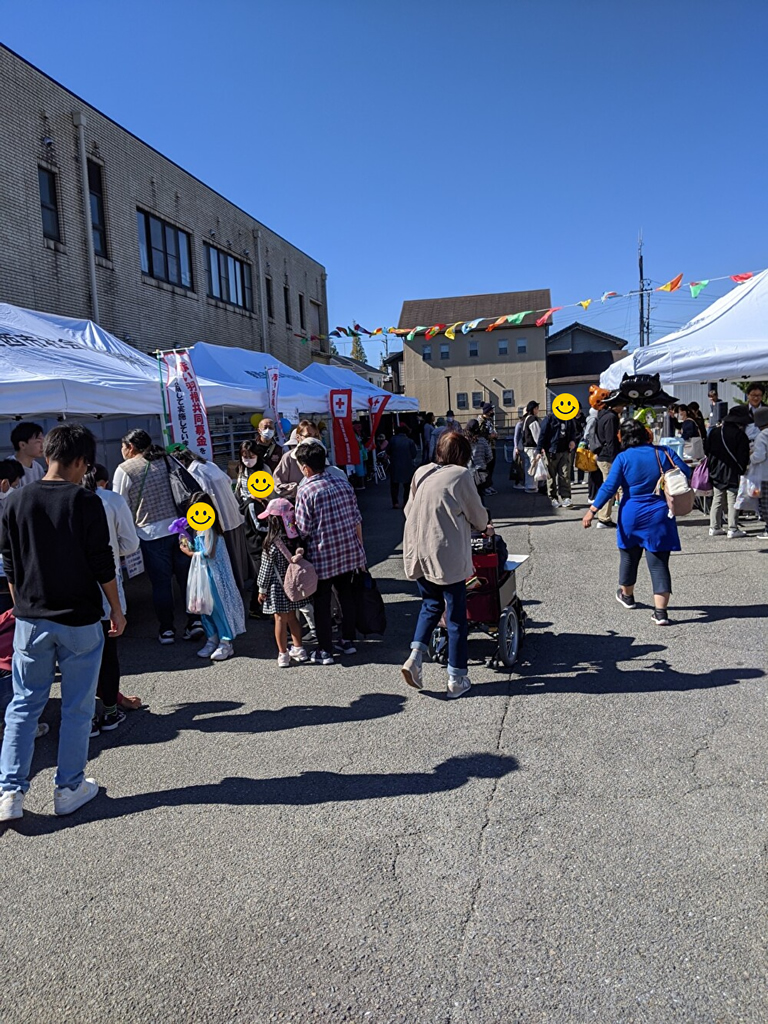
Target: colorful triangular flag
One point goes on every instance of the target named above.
(435, 329)
(451, 332)
(517, 318)
(609, 295)
(470, 325)
(738, 278)
(696, 287)
(412, 334)
(343, 330)
(585, 303)
(497, 323)
(543, 319)
(673, 285)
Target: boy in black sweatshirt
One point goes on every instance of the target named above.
(57, 559)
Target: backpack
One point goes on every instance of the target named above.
(300, 581)
(183, 485)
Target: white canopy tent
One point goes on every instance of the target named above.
(247, 370)
(727, 341)
(362, 389)
(53, 365)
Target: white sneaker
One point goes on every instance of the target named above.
(412, 672)
(284, 660)
(224, 651)
(209, 648)
(734, 534)
(65, 801)
(555, 503)
(11, 805)
(297, 653)
(715, 531)
(567, 503)
(603, 526)
(457, 686)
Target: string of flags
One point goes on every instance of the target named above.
(543, 316)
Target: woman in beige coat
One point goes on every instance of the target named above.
(443, 509)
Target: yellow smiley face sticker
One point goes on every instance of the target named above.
(261, 484)
(565, 407)
(201, 516)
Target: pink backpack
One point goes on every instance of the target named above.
(300, 581)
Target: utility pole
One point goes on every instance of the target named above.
(644, 297)
(448, 385)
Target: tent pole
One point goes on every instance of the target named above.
(165, 418)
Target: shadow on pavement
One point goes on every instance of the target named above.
(303, 790)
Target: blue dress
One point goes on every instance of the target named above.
(644, 519)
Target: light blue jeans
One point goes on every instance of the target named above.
(38, 645)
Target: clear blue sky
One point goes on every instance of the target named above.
(421, 148)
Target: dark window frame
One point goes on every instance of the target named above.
(524, 350)
(161, 252)
(426, 353)
(477, 399)
(50, 206)
(98, 209)
(226, 274)
(508, 397)
(476, 346)
(287, 305)
(505, 343)
(270, 297)
(445, 351)
(462, 400)
(302, 314)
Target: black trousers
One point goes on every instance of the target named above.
(595, 482)
(394, 490)
(323, 616)
(489, 470)
(658, 566)
(109, 673)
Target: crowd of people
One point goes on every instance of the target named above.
(64, 542)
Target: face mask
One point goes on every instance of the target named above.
(268, 434)
(250, 463)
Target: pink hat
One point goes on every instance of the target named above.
(283, 508)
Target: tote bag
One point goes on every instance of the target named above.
(673, 484)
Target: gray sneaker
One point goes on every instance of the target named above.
(412, 672)
(457, 686)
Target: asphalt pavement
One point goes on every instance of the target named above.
(582, 839)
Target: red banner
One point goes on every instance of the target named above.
(345, 444)
(376, 406)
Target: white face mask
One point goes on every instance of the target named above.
(268, 434)
(250, 463)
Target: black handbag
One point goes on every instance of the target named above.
(183, 485)
(371, 616)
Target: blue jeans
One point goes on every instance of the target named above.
(164, 559)
(38, 645)
(435, 599)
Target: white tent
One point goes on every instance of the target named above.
(245, 369)
(362, 389)
(52, 365)
(727, 341)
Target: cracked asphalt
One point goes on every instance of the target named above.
(581, 840)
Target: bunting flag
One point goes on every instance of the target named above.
(470, 325)
(585, 303)
(451, 332)
(738, 278)
(362, 330)
(335, 334)
(344, 331)
(379, 330)
(608, 295)
(517, 318)
(673, 285)
(435, 329)
(497, 323)
(543, 319)
(412, 334)
(696, 287)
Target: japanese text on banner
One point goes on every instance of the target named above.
(273, 382)
(188, 419)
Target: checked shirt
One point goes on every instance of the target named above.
(327, 516)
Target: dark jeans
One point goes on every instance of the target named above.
(436, 599)
(109, 673)
(394, 490)
(163, 559)
(323, 616)
(489, 471)
(658, 566)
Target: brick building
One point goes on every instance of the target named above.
(171, 262)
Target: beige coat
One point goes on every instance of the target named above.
(440, 516)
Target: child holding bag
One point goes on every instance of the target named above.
(212, 586)
(280, 545)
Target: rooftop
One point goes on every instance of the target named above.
(354, 364)
(576, 325)
(454, 308)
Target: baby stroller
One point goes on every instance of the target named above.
(493, 605)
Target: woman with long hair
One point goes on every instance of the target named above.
(250, 461)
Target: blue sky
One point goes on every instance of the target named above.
(426, 148)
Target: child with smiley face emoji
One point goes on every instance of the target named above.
(227, 619)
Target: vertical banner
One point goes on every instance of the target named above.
(187, 417)
(273, 387)
(344, 442)
(376, 408)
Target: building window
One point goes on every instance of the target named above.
(49, 204)
(503, 347)
(445, 352)
(477, 399)
(229, 279)
(522, 346)
(426, 353)
(287, 303)
(508, 397)
(165, 250)
(302, 316)
(315, 317)
(270, 298)
(473, 350)
(461, 400)
(98, 220)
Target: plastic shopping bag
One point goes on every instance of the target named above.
(199, 592)
(540, 474)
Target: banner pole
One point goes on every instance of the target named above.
(165, 419)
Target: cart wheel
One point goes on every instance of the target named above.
(438, 645)
(509, 636)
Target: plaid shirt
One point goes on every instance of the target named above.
(327, 516)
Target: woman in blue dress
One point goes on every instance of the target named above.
(644, 522)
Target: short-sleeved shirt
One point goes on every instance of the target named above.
(327, 516)
(32, 473)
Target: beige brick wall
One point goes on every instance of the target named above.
(524, 374)
(36, 274)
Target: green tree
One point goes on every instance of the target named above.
(358, 352)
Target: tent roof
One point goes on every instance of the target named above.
(362, 390)
(727, 341)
